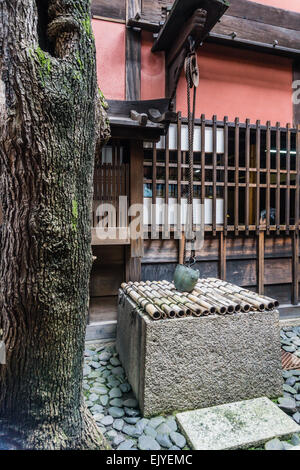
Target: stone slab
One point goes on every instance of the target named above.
(190, 363)
(237, 425)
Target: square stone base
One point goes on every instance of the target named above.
(190, 363)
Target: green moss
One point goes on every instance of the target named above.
(43, 61)
(87, 26)
(74, 214)
(103, 100)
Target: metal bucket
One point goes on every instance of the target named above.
(185, 278)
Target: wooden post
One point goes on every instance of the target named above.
(295, 268)
(222, 256)
(133, 263)
(261, 262)
(133, 54)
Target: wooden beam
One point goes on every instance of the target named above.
(181, 11)
(222, 256)
(261, 262)
(295, 268)
(136, 192)
(133, 54)
(109, 8)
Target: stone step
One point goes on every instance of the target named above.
(237, 425)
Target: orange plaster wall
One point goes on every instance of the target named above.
(292, 5)
(110, 50)
(239, 83)
(152, 70)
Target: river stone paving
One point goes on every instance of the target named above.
(115, 409)
(110, 375)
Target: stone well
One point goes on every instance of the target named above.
(190, 363)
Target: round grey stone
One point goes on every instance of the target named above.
(171, 423)
(154, 422)
(104, 399)
(274, 444)
(126, 445)
(98, 416)
(118, 439)
(111, 434)
(105, 356)
(164, 440)
(289, 389)
(130, 412)
(295, 440)
(95, 365)
(116, 402)
(178, 439)
(117, 370)
(131, 420)
(125, 387)
(163, 429)
(174, 448)
(118, 424)
(115, 393)
(148, 443)
(291, 381)
(100, 390)
(289, 348)
(149, 431)
(142, 423)
(131, 403)
(131, 430)
(93, 397)
(86, 370)
(296, 417)
(107, 420)
(114, 361)
(116, 412)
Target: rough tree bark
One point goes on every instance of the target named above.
(50, 111)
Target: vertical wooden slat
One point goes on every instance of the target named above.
(297, 192)
(167, 173)
(179, 221)
(136, 192)
(258, 142)
(236, 177)
(225, 173)
(247, 179)
(133, 54)
(288, 178)
(296, 107)
(268, 166)
(113, 181)
(203, 159)
(222, 256)
(261, 262)
(278, 175)
(154, 231)
(295, 268)
(214, 201)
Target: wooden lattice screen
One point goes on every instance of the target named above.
(247, 175)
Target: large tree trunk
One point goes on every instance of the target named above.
(48, 130)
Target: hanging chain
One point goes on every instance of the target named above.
(192, 79)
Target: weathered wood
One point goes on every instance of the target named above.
(261, 262)
(268, 168)
(109, 8)
(247, 179)
(123, 108)
(133, 54)
(136, 193)
(258, 157)
(295, 269)
(181, 12)
(222, 255)
(236, 174)
(264, 36)
(288, 178)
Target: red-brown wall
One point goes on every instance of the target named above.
(240, 83)
(153, 70)
(110, 47)
(292, 5)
